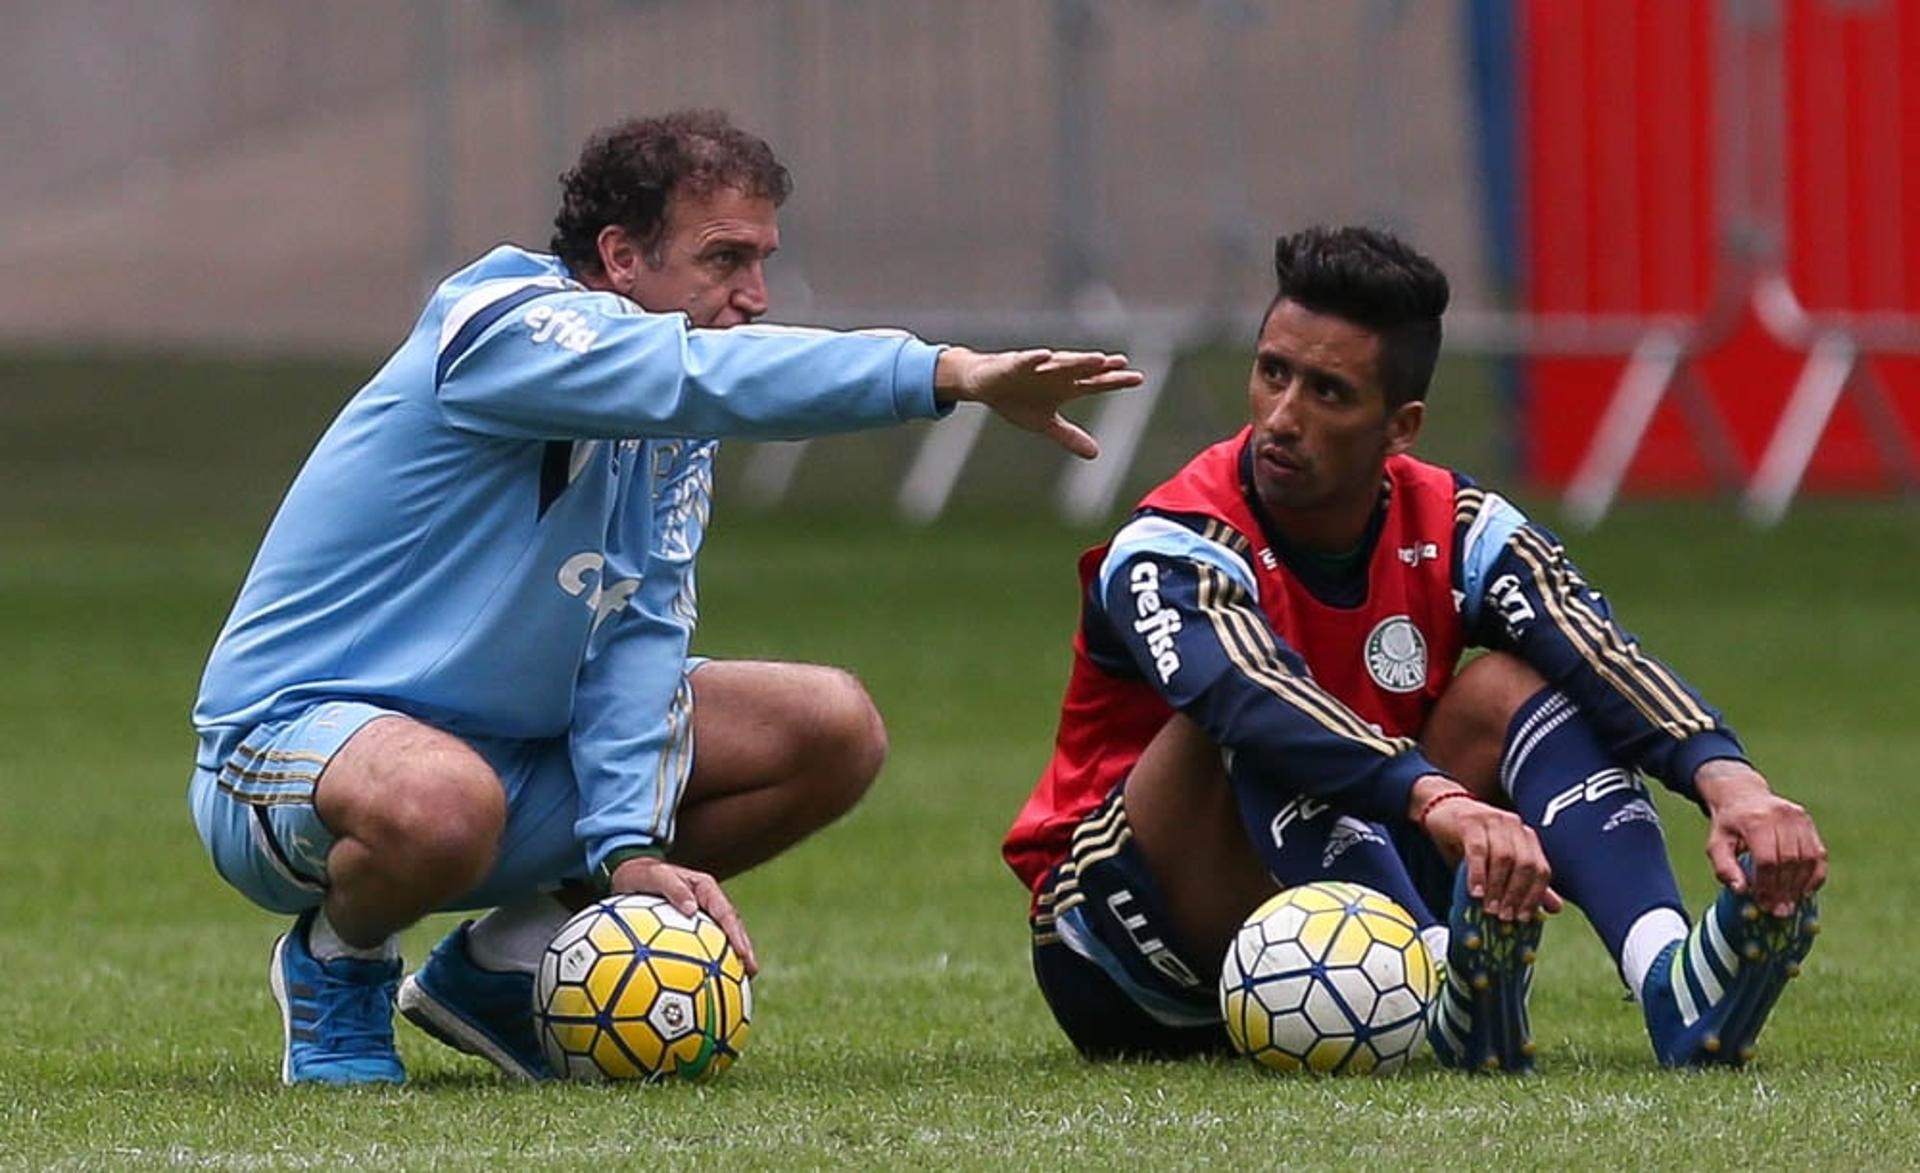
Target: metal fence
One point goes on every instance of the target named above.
(996, 155)
(281, 175)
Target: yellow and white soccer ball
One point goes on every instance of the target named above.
(632, 988)
(1328, 977)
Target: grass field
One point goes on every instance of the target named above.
(897, 1022)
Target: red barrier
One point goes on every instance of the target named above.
(1630, 163)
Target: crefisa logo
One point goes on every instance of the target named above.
(1397, 655)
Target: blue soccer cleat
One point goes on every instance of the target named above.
(1709, 993)
(1478, 1021)
(477, 1011)
(338, 1015)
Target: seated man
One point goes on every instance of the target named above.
(458, 675)
(1264, 692)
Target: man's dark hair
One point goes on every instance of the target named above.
(628, 173)
(1371, 278)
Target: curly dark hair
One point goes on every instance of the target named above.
(1371, 278)
(628, 172)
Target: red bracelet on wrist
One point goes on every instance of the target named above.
(1420, 820)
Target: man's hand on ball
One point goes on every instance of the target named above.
(688, 891)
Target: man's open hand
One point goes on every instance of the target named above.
(1028, 387)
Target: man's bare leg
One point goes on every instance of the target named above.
(779, 751)
(416, 816)
(1187, 825)
(1466, 732)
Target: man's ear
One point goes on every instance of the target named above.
(1403, 426)
(620, 256)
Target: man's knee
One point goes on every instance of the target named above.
(806, 732)
(848, 742)
(1466, 732)
(442, 825)
(408, 792)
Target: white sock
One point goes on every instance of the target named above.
(512, 937)
(326, 944)
(1654, 931)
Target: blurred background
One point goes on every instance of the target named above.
(1684, 235)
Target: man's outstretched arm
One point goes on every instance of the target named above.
(551, 361)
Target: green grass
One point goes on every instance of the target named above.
(897, 1021)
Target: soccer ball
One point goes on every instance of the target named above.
(1329, 977)
(632, 988)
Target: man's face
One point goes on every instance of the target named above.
(712, 260)
(1321, 428)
